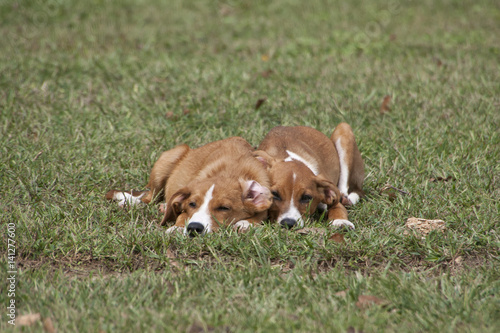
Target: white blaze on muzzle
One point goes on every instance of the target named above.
(203, 215)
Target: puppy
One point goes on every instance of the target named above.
(309, 170)
(218, 184)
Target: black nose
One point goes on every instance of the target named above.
(288, 223)
(195, 228)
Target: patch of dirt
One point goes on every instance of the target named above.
(82, 268)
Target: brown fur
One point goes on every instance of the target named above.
(321, 153)
(183, 175)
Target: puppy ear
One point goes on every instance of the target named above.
(264, 158)
(174, 205)
(255, 194)
(330, 191)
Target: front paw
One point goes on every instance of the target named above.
(342, 223)
(242, 226)
(174, 229)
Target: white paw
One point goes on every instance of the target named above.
(174, 229)
(242, 226)
(126, 199)
(353, 198)
(342, 223)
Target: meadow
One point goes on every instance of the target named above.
(91, 93)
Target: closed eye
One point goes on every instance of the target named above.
(223, 208)
(276, 196)
(305, 198)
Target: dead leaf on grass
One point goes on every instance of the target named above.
(384, 107)
(267, 73)
(28, 319)
(48, 326)
(423, 226)
(259, 103)
(337, 238)
(441, 179)
(392, 192)
(342, 293)
(365, 301)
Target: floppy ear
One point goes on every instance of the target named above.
(330, 191)
(264, 158)
(174, 205)
(255, 194)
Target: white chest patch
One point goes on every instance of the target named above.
(311, 165)
(203, 215)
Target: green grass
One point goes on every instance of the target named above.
(92, 92)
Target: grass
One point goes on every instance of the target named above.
(93, 92)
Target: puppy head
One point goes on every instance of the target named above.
(297, 191)
(213, 203)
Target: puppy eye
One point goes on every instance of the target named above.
(276, 195)
(305, 198)
(223, 208)
(192, 204)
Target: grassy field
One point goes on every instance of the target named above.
(93, 91)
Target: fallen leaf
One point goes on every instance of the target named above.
(441, 179)
(384, 108)
(259, 103)
(185, 111)
(48, 326)
(392, 37)
(424, 226)
(438, 61)
(170, 254)
(337, 238)
(459, 260)
(28, 319)
(264, 57)
(392, 191)
(37, 156)
(342, 293)
(365, 301)
(307, 231)
(267, 73)
(169, 114)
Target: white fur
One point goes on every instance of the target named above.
(292, 213)
(353, 197)
(344, 169)
(341, 223)
(311, 165)
(127, 199)
(173, 229)
(242, 225)
(203, 215)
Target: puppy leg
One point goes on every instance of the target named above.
(162, 169)
(180, 224)
(352, 172)
(244, 225)
(337, 215)
(126, 198)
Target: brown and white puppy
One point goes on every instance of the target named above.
(218, 184)
(309, 170)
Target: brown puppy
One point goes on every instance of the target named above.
(309, 170)
(221, 183)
